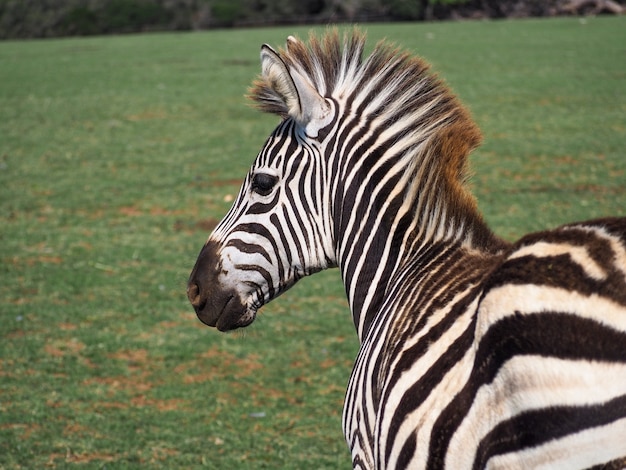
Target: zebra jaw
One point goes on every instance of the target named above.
(216, 306)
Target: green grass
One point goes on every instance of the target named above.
(118, 154)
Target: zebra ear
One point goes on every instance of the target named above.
(300, 98)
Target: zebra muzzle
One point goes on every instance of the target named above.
(214, 305)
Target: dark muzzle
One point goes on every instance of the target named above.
(214, 305)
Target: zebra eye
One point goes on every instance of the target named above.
(262, 183)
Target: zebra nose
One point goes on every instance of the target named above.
(193, 294)
(203, 277)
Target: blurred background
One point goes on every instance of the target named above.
(50, 18)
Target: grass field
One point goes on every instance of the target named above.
(118, 155)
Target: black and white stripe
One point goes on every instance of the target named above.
(474, 353)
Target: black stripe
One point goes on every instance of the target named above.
(617, 464)
(616, 226)
(363, 284)
(264, 207)
(417, 393)
(558, 271)
(294, 236)
(547, 334)
(404, 326)
(554, 334)
(249, 248)
(536, 427)
(283, 240)
(407, 452)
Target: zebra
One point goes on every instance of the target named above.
(474, 352)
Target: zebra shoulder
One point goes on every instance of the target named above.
(567, 281)
(584, 257)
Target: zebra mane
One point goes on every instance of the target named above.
(414, 108)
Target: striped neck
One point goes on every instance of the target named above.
(397, 202)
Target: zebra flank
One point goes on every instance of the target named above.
(474, 352)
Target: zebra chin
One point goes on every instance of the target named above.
(226, 316)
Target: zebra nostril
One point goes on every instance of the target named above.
(193, 294)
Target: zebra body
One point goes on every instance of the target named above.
(474, 353)
(537, 354)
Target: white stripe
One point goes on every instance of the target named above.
(525, 299)
(582, 450)
(579, 255)
(422, 420)
(619, 250)
(529, 383)
(425, 415)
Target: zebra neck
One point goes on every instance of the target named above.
(377, 263)
(395, 228)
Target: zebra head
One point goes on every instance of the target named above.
(278, 229)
